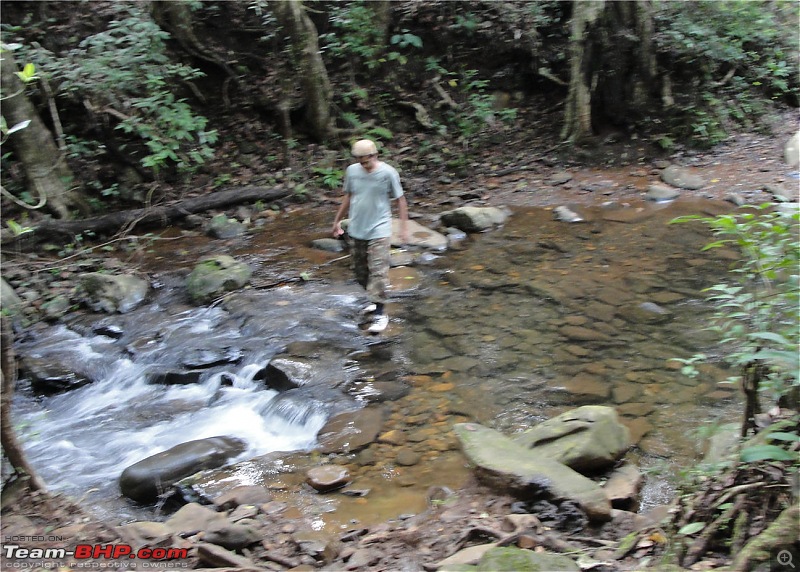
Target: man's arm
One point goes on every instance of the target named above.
(343, 208)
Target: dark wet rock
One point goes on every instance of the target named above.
(174, 376)
(113, 293)
(48, 376)
(214, 276)
(475, 219)
(146, 480)
(283, 374)
(109, 330)
(224, 227)
(378, 391)
(587, 439)
(198, 358)
(327, 478)
(564, 516)
(504, 464)
(682, 177)
(351, 431)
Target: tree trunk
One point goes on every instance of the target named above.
(175, 16)
(149, 216)
(8, 436)
(612, 67)
(45, 167)
(578, 113)
(313, 76)
(382, 14)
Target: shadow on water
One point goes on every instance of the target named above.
(523, 323)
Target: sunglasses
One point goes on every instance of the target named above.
(365, 156)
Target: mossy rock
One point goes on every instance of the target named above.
(510, 559)
(214, 276)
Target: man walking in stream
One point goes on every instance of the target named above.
(369, 187)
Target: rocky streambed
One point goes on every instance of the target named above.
(511, 327)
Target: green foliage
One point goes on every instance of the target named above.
(376, 133)
(726, 54)
(329, 176)
(16, 228)
(474, 116)
(124, 72)
(756, 315)
(359, 41)
(406, 39)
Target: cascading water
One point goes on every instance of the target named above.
(80, 440)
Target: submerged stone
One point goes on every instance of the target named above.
(146, 480)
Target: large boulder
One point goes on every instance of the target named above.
(113, 293)
(214, 276)
(587, 439)
(682, 177)
(146, 480)
(475, 219)
(419, 236)
(510, 467)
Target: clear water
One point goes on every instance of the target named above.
(525, 322)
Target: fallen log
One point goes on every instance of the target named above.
(156, 215)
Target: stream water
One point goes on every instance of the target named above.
(519, 325)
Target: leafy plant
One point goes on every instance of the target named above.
(728, 54)
(756, 315)
(330, 176)
(359, 41)
(125, 73)
(16, 228)
(475, 116)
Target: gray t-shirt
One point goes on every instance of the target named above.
(370, 195)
